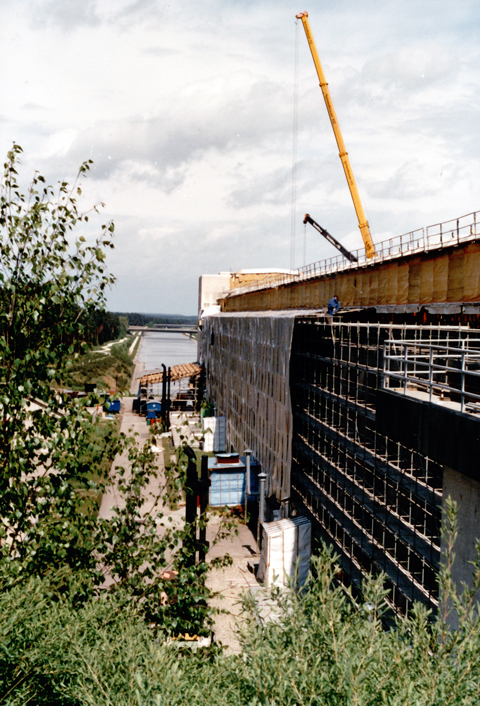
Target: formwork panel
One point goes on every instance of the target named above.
(456, 275)
(426, 281)
(414, 273)
(440, 279)
(347, 290)
(391, 283)
(402, 284)
(373, 287)
(362, 288)
(471, 292)
(382, 289)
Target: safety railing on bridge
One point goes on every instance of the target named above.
(440, 373)
(432, 237)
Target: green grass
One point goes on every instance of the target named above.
(112, 370)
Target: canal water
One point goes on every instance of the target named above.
(170, 349)
(167, 348)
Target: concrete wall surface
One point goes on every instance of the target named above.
(466, 493)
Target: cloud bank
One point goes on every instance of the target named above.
(187, 112)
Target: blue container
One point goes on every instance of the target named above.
(227, 484)
(112, 406)
(152, 410)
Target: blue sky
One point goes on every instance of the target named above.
(187, 111)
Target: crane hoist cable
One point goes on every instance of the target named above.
(343, 154)
(294, 154)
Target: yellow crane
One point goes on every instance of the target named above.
(347, 167)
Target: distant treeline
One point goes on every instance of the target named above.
(102, 326)
(136, 319)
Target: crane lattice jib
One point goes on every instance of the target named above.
(347, 167)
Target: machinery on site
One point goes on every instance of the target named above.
(350, 256)
(347, 167)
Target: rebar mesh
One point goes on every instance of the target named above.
(377, 501)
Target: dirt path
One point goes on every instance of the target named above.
(228, 583)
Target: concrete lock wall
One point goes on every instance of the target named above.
(247, 360)
(465, 492)
(258, 363)
(444, 277)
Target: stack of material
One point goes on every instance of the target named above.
(286, 549)
(214, 429)
(177, 372)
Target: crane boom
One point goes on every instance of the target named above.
(347, 167)
(330, 238)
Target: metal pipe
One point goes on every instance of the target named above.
(248, 452)
(164, 396)
(169, 377)
(262, 477)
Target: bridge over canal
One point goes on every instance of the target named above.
(165, 328)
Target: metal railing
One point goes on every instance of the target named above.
(447, 372)
(432, 237)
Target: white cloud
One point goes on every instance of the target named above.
(186, 110)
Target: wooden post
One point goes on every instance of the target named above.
(196, 493)
(203, 496)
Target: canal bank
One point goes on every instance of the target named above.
(227, 584)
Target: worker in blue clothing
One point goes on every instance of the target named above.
(333, 305)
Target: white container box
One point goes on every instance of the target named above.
(286, 550)
(214, 432)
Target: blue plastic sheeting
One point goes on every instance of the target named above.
(227, 484)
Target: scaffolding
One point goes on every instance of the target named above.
(377, 501)
(447, 374)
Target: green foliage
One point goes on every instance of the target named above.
(48, 280)
(47, 642)
(102, 326)
(106, 370)
(316, 647)
(51, 282)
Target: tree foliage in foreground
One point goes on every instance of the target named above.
(322, 648)
(52, 281)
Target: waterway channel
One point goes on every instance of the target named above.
(167, 348)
